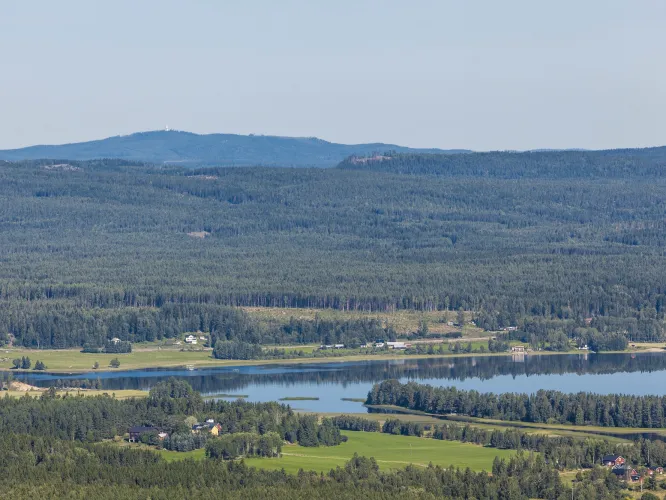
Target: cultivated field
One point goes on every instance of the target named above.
(154, 355)
(390, 452)
(74, 361)
(118, 394)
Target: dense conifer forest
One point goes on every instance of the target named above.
(102, 249)
(611, 410)
(63, 450)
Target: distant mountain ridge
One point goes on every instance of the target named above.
(615, 163)
(187, 148)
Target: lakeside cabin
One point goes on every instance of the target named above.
(518, 348)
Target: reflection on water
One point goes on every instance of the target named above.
(602, 373)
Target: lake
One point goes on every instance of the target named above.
(330, 382)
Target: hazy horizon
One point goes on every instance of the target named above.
(326, 140)
(517, 75)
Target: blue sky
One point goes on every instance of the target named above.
(475, 74)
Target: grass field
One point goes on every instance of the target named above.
(390, 452)
(577, 431)
(381, 417)
(119, 394)
(402, 321)
(155, 356)
(172, 456)
(74, 361)
(573, 429)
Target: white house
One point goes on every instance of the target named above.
(191, 339)
(339, 346)
(396, 345)
(115, 340)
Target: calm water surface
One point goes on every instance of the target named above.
(600, 373)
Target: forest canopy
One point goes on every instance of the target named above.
(106, 247)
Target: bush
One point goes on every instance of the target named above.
(91, 349)
(453, 335)
(117, 347)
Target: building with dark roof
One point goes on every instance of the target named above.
(136, 432)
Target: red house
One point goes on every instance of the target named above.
(612, 460)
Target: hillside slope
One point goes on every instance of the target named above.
(97, 249)
(612, 163)
(213, 149)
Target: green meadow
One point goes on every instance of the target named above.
(390, 451)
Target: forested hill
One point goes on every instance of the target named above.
(92, 249)
(190, 149)
(619, 163)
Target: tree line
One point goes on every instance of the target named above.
(613, 410)
(93, 330)
(169, 403)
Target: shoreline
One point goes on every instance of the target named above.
(210, 362)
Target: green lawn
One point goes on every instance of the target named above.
(577, 431)
(118, 394)
(594, 430)
(72, 360)
(171, 456)
(390, 452)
